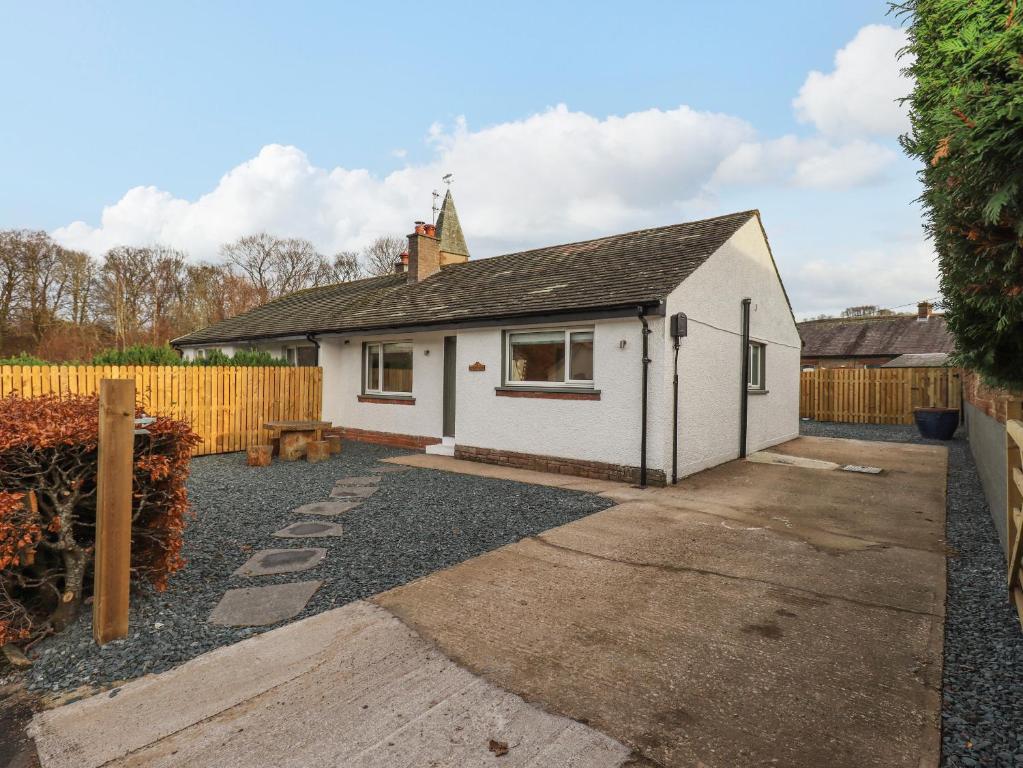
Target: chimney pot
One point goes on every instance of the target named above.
(420, 228)
(430, 230)
(923, 310)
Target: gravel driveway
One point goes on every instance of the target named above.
(418, 522)
(982, 713)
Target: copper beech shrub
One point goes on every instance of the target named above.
(48, 445)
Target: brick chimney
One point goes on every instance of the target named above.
(423, 252)
(401, 265)
(923, 310)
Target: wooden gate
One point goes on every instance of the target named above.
(1014, 504)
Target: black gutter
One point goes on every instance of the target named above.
(646, 376)
(655, 308)
(744, 397)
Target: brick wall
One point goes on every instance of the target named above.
(411, 442)
(558, 465)
(990, 400)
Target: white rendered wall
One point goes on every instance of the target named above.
(605, 430)
(275, 348)
(710, 357)
(342, 385)
(189, 353)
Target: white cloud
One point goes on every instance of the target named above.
(553, 175)
(550, 177)
(813, 163)
(898, 272)
(859, 97)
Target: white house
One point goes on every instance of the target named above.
(557, 358)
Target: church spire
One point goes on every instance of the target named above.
(453, 249)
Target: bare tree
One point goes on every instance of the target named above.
(380, 256)
(10, 282)
(42, 282)
(345, 267)
(79, 278)
(275, 266)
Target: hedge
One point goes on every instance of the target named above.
(967, 130)
(49, 446)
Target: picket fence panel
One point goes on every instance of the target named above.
(876, 395)
(226, 405)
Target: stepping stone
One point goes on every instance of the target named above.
(363, 480)
(268, 562)
(392, 468)
(308, 529)
(326, 508)
(258, 606)
(349, 491)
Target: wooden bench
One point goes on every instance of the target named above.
(295, 436)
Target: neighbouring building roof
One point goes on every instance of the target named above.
(923, 360)
(873, 336)
(616, 272)
(449, 231)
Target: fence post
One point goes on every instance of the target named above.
(113, 509)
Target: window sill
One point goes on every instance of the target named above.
(758, 391)
(388, 399)
(550, 393)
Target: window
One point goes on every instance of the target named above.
(550, 358)
(755, 380)
(203, 352)
(389, 368)
(307, 355)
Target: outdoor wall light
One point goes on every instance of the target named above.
(621, 344)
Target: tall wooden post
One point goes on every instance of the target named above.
(113, 509)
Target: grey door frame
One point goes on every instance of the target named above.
(450, 371)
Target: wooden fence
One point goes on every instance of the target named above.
(876, 395)
(226, 406)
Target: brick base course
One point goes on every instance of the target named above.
(558, 465)
(411, 442)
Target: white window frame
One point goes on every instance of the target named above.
(756, 375)
(201, 353)
(365, 367)
(566, 383)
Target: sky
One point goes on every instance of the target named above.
(190, 124)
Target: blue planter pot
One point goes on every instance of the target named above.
(936, 423)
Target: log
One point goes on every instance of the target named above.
(259, 455)
(317, 450)
(334, 441)
(293, 444)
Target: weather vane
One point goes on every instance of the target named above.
(447, 179)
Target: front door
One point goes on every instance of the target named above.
(449, 385)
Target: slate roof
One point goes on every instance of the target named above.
(920, 360)
(619, 271)
(449, 230)
(873, 336)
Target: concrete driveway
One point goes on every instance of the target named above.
(756, 615)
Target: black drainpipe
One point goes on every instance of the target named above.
(674, 419)
(744, 384)
(310, 337)
(646, 366)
